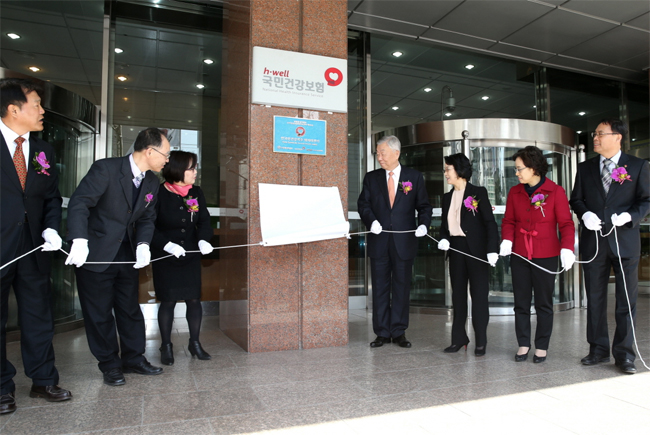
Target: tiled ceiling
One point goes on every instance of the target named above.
(606, 38)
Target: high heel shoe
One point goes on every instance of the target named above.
(480, 350)
(455, 348)
(167, 354)
(522, 357)
(196, 350)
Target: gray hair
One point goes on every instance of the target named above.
(392, 142)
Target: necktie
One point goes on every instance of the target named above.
(391, 189)
(19, 161)
(606, 174)
(138, 179)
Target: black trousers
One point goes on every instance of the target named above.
(596, 280)
(113, 291)
(391, 292)
(525, 279)
(464, 270)
(34, 298)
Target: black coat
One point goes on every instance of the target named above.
(179, 278)
(41, 202)
(374, 205)
(102, 210)
(480, 228)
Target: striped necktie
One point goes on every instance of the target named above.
(606, 174)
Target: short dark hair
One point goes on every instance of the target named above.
(461, 164)
(14, 91)
(150, 137)
(179, 162)
(533, 159)
(616, 125)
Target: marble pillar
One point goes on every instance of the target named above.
(293, 296)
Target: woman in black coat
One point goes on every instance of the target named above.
(183, 224)
(468, 225)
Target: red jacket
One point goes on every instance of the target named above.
(523, 223)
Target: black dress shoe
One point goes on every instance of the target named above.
(538, 359)
(455, 348)
(593, 359)
(196, 350)
(521, 357)
(51, 393)
(626, 366)
(167, 354)
(143, 368)
(114, 377)
(402, 341)
(7, 403)
(480, 350)
(379, 341)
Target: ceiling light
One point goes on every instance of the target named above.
(633, 139)
(534, 107)
(118, 50)
(469, 66)
(582, 113)
(485, 98)
(579, 131)
(13, 35)
(189, 120)
(428, 89)
(394, 107)
(448, 114)
(208, 61)
(129, 117)
(122, 78)
(397, 53)
(131, 128)
(126, 98)
(34, 68)
(200, 86)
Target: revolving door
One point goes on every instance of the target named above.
(489, 144)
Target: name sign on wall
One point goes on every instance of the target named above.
(304, 81)
(299, 136)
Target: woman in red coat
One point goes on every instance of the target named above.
(535, 210)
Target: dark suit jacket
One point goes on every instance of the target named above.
(374, 205)
(41, 201)
(633, 196)
(480, 227)
(101, 210)
(521, 215)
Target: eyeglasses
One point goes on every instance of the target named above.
(162, 154)
(196, 168)
(599, 134)
(517, 170)
(444, 171)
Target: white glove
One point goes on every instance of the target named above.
(621, 219)
(205, 247)
(421, 231)
(443, 245)
(506, 248)
(142, 256)
(375, 228)
(172, 248)
(492, 258)
(567, 258)
(78, 252)
(591, 221)
(52, 240)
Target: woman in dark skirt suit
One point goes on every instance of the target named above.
(536, 209)
(183, 224)
(468, 225)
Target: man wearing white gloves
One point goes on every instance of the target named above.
(111, 218)
(30, 215)
(388, 201)
(612, 189)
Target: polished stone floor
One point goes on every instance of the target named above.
(351, 389)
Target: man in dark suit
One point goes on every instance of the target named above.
(604, 196)
(111, 218)
(389, 200)
(31, 214)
